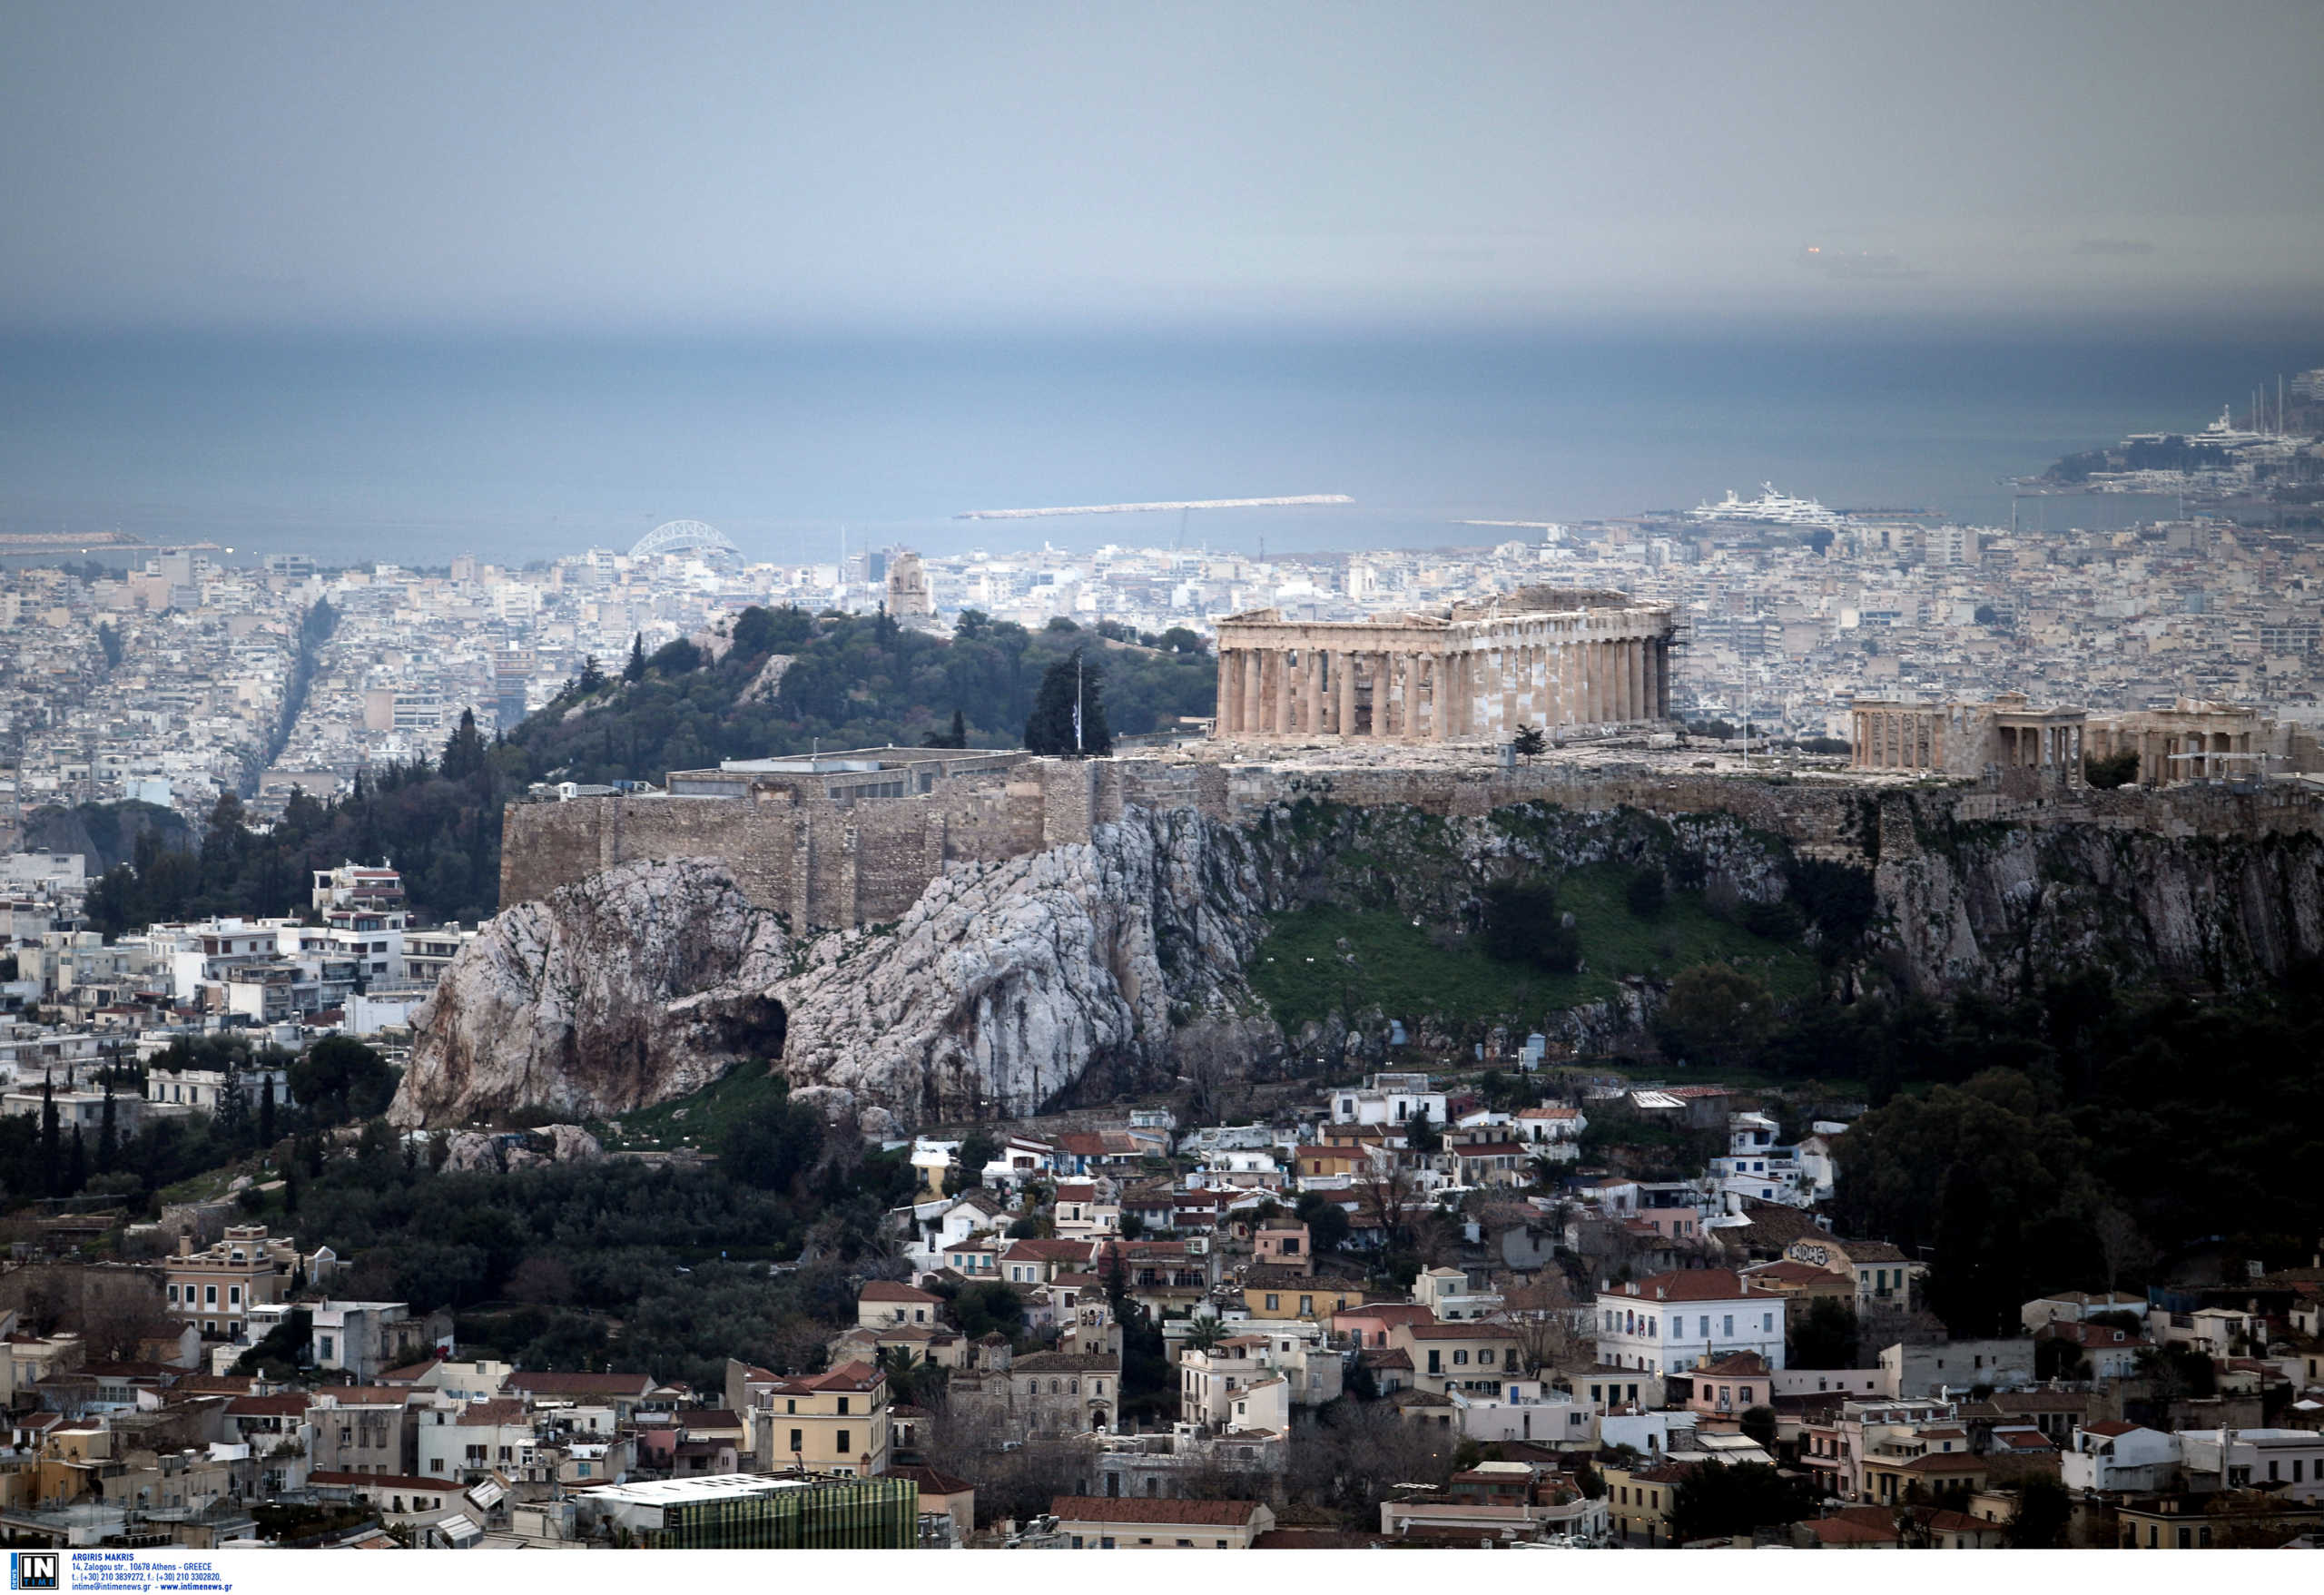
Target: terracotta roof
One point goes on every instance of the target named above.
(411, 1371)
(268, 1406)
(1684, 1284)
(2111, 1427)
(499, 1410)
(1049, 1251)
(1734, 1365)
(1941, 1462)
(1468, 1329)
(1839, 1531)
(1385, 1358)
(1103, 1509)
(549, 1382)
(889, 1290)
(931, 1481)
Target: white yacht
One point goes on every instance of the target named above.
(1769, 509)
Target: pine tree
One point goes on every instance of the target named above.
(1064, 685)
(634, 670)
(593, 676)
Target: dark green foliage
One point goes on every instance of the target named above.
(1714, 1501)
(1760, 1423)
(1523, 925)
(1714, 1013)
(1645, 895)
(677, 657)
(109, 641)
(280, 1354)
(1779, 920)
(772, 1145)
(1527, 742)
(1824, 1336)
(2115, 769)
(1327, 1223)
(967, 1172)
(2044, 1510)
(956, 737)
(1838, 899)
(1069, 685)
(634, 671)
(987, 1307)
(336, 1080)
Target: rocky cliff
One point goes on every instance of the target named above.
(1073, 974)
(633, 987)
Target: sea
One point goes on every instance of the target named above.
(417, 448)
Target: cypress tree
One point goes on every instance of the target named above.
(266, 1113)
(108, 1131)
(77, 1165)
(50, 1169)
(636, 669)
(1064, 685)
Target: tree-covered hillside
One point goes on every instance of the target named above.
(789, 681)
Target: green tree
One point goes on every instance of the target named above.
(2044, 1510)
(1760, 1423)
(1825, 1335)
(592, 679)
(1528, 742)
(108, 1131)
(51, 1150)
(336, 1080)
(774, 1145)
(1645, 894)
(967, 1173)
(1713, 1013)
(1054, 728)
(1713, 1501)
(265, 1107)
(2115, 769)
(1523, 925)
(463, 749)
(635, 670)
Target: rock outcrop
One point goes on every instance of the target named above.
(1070, 975)
(641, 984)
(1012, 986)
(486, 1152)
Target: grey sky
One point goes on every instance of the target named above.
(853, 166)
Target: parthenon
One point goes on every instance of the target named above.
(1542, 657)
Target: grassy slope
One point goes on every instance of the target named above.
(698, 1121)
(1304, 975)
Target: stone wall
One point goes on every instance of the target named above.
(827, 865)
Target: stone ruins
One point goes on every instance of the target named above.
(2019, 749)
(1547, 657)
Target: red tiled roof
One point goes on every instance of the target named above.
(889, 1290)
(1103, 1509)
(931, 1481)
(1686, 1285)
(549, 1381)
(268, 1406)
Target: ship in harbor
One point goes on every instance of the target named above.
(1770, 508)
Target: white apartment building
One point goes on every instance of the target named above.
(1671, 1322)
(2116, 1455)
(1388, 1100)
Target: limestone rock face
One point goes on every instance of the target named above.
(1012, 987)
(633, 987)
(480, 1152)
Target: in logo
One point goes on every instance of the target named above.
(33, 1570)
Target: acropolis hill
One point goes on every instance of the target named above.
(1414, 710)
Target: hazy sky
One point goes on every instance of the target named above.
(857, 166)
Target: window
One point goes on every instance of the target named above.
(1460, 1359)
(1105, 1543)
(798, 1441)
(843, 1406)
(1188, 1544)
(843, 1447)
(1273, 1303)
(1766, 1324)
(323, 1347)
(1727, 1325)
(233, 1295)
(209, 1296)
(1306, 1306)
(1705, 1330)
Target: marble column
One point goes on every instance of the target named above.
(1311, 709)
(1344, 680)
